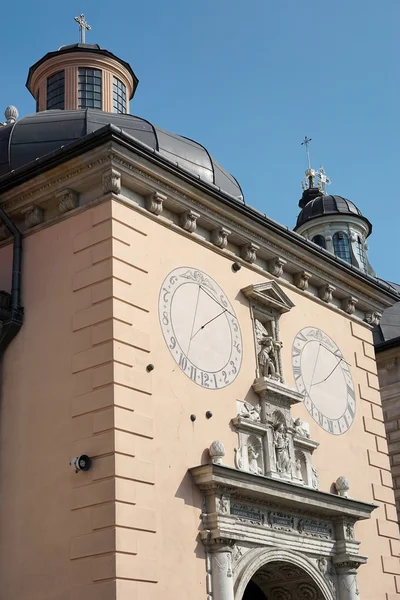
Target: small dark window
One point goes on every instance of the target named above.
(319, 240)
(89, 88)
(361, 253)
(341, 246)
(55, 91)
(119, 96)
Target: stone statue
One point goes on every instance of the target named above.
(253, 464)
(301, 428)
(299, 474)
(250, 412)
(315, 480)
(281, 444)
(268, 358)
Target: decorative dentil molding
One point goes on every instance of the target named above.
(188, 220)
(349, 305)
(219, 237)
(301, 279)
(249, 252)
(325, 292)
(275, 266)
(67, 200)
(154, 202)
(112, 181)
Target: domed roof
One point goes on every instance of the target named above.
(321, 206)
(44, 132)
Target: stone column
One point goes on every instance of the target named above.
(347, 578)
(221, 569)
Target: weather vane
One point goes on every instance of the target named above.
(82, 26)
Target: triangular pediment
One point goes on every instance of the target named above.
(269, 294)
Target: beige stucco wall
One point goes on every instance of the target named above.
(76, 382)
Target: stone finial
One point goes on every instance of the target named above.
(155, 203)
(373, 318)
(325, 292)
(11, 114)
(188, 220)
(342, 486)
(217, 452)
(68, 199)
(275, 266)
(112, 182)
(219, 237)
(301, 279)
(349, 305)
(34, 215)
(249, 252)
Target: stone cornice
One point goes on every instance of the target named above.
(266, 489)
(146, 172)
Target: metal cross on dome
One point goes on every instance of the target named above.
(82, 26)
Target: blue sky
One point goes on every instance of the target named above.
(249, 80)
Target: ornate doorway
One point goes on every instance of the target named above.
(281, 580)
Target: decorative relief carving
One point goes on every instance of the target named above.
(154, 203)
(247, 513)
(254, 456)
(325, 292)
(275, 266)
(308, 591)
(349, 531)
(34, 215)
(111, 182)
(219, 237)
(251, 412)
(373, 318)
(217, 452)
(322, 565)
(249, 252)
(67, 200)
(349, 305)
(315, 479)
(188, 220)
(301, 279)
(281, 593)
(224, 505)
(301, 428)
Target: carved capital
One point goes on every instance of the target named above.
(188, 220)
(219, 237)
(349, 305)
(325, 292)
(275, 266)
(249, 252)
(373, 318)
(112, 181)
(34, 215)
(67, 200)
(154, 202)
(301, 279)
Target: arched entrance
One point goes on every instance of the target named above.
(277, 574)
(280, 580)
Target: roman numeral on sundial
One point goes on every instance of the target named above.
(295, 351)
(296, 372)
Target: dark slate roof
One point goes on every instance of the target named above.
(320, 206)
(37, 135)
(389, 327)
(92, 48)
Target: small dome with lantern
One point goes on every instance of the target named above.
(332, 222)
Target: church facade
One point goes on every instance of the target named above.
(189, 401)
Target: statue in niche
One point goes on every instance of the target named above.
(299, 474)
(315, 480)
(250, 412)
(253, 463)
(281, 444)
(268, 358)
(301, 428)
